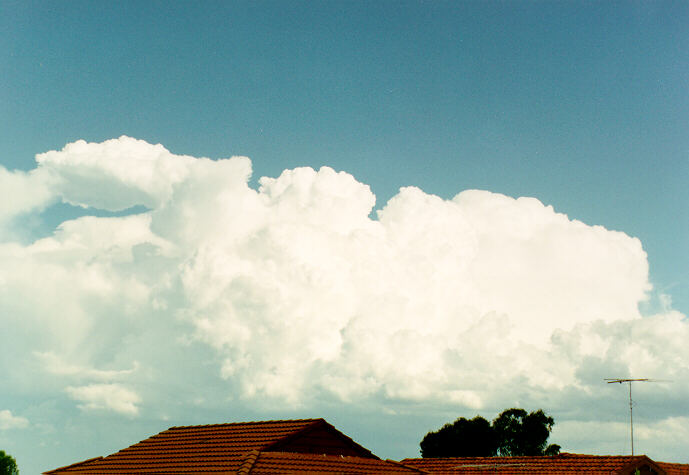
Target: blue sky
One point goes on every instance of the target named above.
(582, 105)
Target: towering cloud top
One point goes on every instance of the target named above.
(121, 173)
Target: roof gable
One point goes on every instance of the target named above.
(320, 438)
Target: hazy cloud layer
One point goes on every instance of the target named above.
(292, 293)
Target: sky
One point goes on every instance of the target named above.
(386, 214)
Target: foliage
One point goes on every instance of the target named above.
(520, 433)
(513, 432)
(463, 437)
(8, 466)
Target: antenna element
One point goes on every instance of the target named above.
(631, 416)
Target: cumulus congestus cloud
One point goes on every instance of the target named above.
(291, 290)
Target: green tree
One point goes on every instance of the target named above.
(522, 433)
(8, 466)
(513, 432)
(464, 437)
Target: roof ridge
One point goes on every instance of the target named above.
(573, 455)
(561, 455)
(248, 422)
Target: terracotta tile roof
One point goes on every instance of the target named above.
(217, 448)
(267, 463)
(558, 464)
(674, 468)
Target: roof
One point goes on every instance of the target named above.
(314, 446)
(547, 465)
(220, 448)
(266, 463)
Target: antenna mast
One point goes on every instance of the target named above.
(631, 416)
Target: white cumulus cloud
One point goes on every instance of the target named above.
(9, 421)
(291, 292)
(112, 397)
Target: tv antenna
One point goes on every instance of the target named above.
(631, 416)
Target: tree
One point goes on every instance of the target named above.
(464, 437)
(513, 432)
(519, 433)
(8, 466)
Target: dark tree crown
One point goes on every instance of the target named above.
(8, 466)
(464, 437)
(513, 432)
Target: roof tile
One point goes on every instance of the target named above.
(269, 463)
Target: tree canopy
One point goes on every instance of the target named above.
(513, 432)
(8, 466)
(464, 437)
(520, 433)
